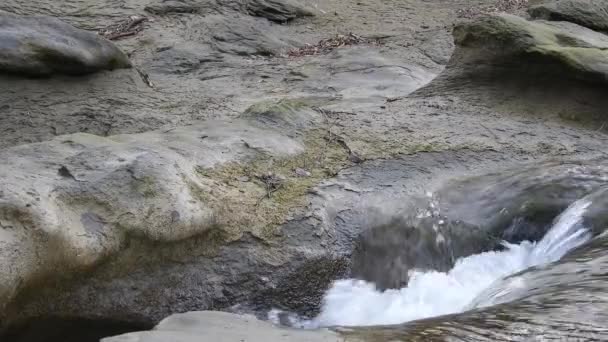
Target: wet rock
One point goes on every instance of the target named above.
(222, 327)
(520, 204)
(302, 291)
(386, 254)
(494, 45)
(42, 46)
(475, 215)
(589, 13)
(596, 215)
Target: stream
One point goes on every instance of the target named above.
(550, 288)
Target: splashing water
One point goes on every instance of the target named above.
(431, 293)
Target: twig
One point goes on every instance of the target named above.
(332, 137)
(144, 77)
(329, 44)
(114, 36)
(272, 183)
(393, 99)
(490, 131)
(126, 28)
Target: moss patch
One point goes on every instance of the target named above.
(145, 186)
(243, 200)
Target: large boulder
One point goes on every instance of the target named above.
(41, 46)
(589, 13)
(509, 45)
(554, 69)
(68, 204)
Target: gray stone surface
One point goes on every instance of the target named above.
(222, 327)
(245, 36)
(153, 185)
(42, 46)
(279, 11)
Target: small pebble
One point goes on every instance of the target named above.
(302, 173)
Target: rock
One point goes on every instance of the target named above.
(41, 46)
(302, 291)
(72, 202)
(284, 113)
(506, 44)
(163, 7)
(185, 58)
(222, 327)
(300, 172)
(527, 198)
(475, 215)
(386, 254)
(589, 13)
(279, 11)
(245, 35)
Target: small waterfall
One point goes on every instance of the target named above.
(431, 293)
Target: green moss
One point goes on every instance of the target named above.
(241, 199)
(512, 39)
(146, 186)
(283, 106)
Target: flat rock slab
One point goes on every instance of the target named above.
(222, 327)
(589, 13)
(41, 46)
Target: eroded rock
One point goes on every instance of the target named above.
(551, 49)
(72, 202)
(589, 13)
(41, 46)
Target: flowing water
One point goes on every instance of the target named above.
(430, 293)
(553, 288)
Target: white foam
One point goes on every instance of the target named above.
(358, 303)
